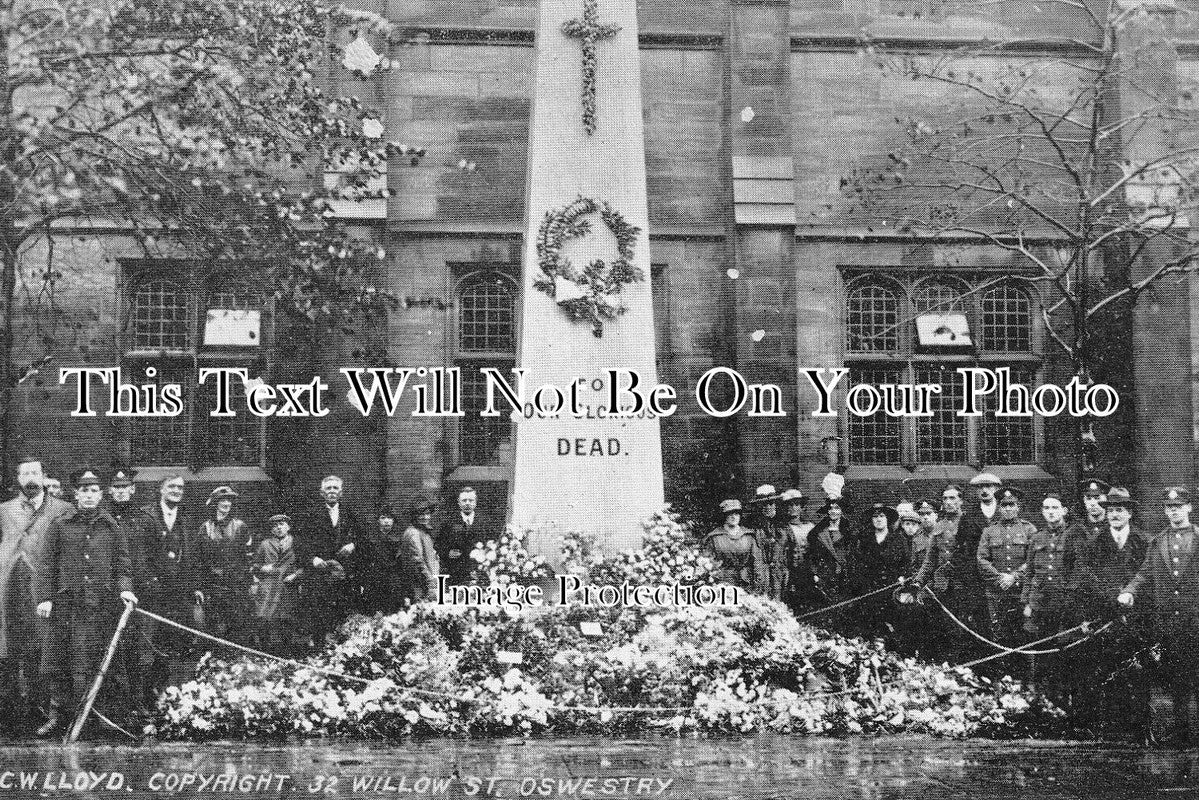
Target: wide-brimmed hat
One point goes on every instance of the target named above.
(882, 508)
(1093, 488)
(765, 494)
(422, 506)
(221, 493)
(386, 511)
(84, 477)
(840, 502)
(1119, 496)
(986, 479)
(793, 496)
(730, 506)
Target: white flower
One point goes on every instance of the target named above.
(566, 290)
(372, 128)
(359, 56)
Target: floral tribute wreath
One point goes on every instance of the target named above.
(592, 294)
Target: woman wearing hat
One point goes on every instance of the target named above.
(275, 589)
(419, 564)
(882, 558)
(383, 575)
(830, 545)
(768, 530)
(738, 558)
(798, 589)
(226, 551)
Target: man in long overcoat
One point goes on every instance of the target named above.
(1169, 581)
(329, 548)
(24, 521)
(168, 569)
(87, 572)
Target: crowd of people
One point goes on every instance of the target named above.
(65, 565)
(943, 579)
(952, 580)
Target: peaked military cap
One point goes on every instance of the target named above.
(1094, 488)
(84, 477)
(1009, 494)
(122, 476)
(1176, 496)
(277, 518)
(925, 506)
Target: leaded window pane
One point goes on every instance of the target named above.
(872, 319)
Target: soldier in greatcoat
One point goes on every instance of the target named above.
(1169, 582)
(1003, 566)
(136, 655)
(86, 577)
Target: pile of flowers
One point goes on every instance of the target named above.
(508, 560)
(450, 670)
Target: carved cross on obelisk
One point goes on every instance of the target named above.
(590, 471)
(588, 31)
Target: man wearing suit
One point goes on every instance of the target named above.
(1114, 686)
(167, 570)
(24, 522)
(328, 551)
(1169, 581)
(458, 537)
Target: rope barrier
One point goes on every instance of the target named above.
(850, 601)
(1023, 650)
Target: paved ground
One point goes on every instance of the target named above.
(758, 767)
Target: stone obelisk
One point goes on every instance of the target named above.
(589, 472)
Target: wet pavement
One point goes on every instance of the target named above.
(763, 766)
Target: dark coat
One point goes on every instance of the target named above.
(1105, 571)
(454, 543)
(87, 561)
(171, 565)
(319, 538)
(878, 565)
(830, 562)
(87, 567)
(1169, 580)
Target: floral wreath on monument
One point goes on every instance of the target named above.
(593, 292)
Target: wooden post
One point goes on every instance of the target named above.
(94, 692)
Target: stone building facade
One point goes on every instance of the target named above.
(754, 112)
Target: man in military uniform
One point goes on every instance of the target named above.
(24, 523)
(1169, 581)
(1049, 598)
(1093, 523)
(170, 569)
(136, 655)
(950, 570)
(1002, 563)
(87, 572)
